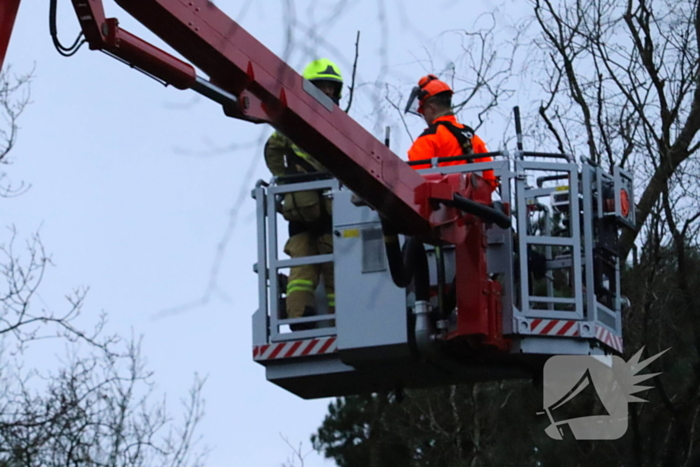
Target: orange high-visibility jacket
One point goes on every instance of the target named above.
(438, 141)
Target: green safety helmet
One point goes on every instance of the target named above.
(325, 70)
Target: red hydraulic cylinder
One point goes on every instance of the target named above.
(479, 313)
(237, 62)
(149, 57)
(104, 34)
(8, 13)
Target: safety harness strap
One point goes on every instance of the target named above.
(464, 135)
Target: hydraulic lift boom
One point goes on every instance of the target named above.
(476, 311)
(8, 13)
(255, 85)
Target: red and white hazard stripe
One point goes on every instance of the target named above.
(554, 327)
(609, 338)
(292, 349)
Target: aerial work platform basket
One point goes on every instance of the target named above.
(485, 288)
(553, 285)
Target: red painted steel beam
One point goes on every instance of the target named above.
(237, 62)
(105, 34)
(91, 15)
(149, 58)
(8, 13)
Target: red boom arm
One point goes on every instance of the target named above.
(237, 62)
(254, 84)
(8, 13)
(259, 87)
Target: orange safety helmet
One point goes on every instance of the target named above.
(428, 86)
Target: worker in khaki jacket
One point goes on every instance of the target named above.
(445, 136)
(308, 212)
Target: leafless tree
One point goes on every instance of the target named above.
(297, 455)
(621, 79)
(97, 407)
(98, 410)
(481, 73)
(21, 273)
(14, 98)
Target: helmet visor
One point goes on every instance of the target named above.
(413, 103)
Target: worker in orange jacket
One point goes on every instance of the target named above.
(445, 136)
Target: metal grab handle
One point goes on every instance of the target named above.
(464, 157)
(486, 213)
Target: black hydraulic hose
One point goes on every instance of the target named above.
(400, 274)
(63, 50)
(440, 268)
(487, 213)
(451, 298)
(407, 264)
(415, 258)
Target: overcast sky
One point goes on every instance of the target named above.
(133, 187)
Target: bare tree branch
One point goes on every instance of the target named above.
(354, 71)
